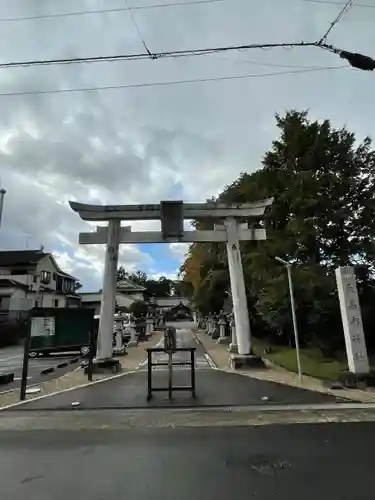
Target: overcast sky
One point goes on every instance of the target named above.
(145, 144)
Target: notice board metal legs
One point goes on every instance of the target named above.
(170, 388)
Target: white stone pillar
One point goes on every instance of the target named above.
(238, 291)
(352, 320)
(107, 308)
(233, 345)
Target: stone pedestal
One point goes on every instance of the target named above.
(149, 325)
(104, 366)
(223, 339)
(209, 324)
(119, 349)
(246, 361)
(233, 348)
(233, 343)
(133, 342)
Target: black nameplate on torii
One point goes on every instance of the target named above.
(172, 219)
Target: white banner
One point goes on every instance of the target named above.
(42, 327)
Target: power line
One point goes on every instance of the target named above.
(338, 18)
(167, 83)
(134, 21)
(163, 55)
(257, 63)
(335, 2)
(155, 6)
(105, 11)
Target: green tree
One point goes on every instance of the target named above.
(161, 287)
(121, 274)
(322, 181)
(138, 308)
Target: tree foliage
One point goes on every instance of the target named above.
(138, 308)
(161, 287)
(322, 182)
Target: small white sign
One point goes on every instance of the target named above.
(352, 320)
(42, 326)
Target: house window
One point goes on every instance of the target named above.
(56, 303)
(45, 277)
(54, 276)
(68, 286)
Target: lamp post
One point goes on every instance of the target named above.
(288, 266)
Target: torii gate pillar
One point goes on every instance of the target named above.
(237, 284)
(108, 303)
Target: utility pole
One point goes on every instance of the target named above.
(288, 267)
(2, 194)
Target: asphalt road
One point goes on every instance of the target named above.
(11, 360)
(287, 462)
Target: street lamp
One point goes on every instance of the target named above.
(288, 266)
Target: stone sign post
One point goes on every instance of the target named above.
(352, 320)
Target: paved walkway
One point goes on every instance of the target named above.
(184, 338)
(220, 355)
(77, 378)
(214, 388)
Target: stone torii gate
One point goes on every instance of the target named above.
(172, 214)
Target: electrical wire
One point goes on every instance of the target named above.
(271, 65)
(167, 83)
(338, 18)
(155, 6)
(162, 55)
(105, 11)
(335, 2)
(134, 21)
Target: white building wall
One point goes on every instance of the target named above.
(45, 264)
(124, 300)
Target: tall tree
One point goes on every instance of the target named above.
(322, 181)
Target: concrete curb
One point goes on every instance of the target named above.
(62, 365)
(6, 378)
(48, 370)
(70, 389)
(209, 360)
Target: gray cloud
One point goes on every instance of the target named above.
(146, 144)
